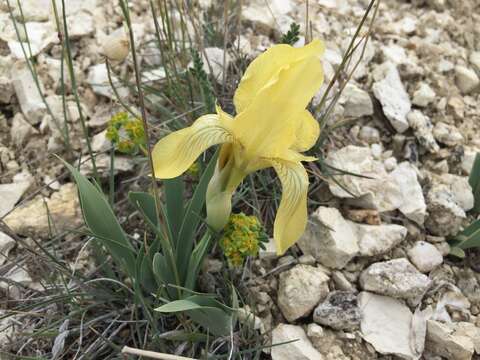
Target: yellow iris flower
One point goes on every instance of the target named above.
(271, 129)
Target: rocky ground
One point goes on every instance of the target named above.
(371, 277)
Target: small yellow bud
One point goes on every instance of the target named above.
(116, 46)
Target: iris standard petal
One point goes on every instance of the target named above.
(176, 152)
(269, 125)
(267, 66)
(308, 131)
(291, 216)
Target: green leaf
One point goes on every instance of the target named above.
(474, 181)
(468, 238)
(145, 274)
(164, 275)
(455, 251)
(192, 219)
(103, 224)
(205, 311)
(174, 205)
(196, 260)
(145, 204)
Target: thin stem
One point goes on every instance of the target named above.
(152, 354)
(167, 243)
(73, 79)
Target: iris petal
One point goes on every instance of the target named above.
(266, 66)
(291, 218)
(176, 152)
(269, 125)
(307, 132)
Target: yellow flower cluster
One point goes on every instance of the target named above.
(126, 133)
(243, 236)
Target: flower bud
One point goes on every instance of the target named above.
(116, 46)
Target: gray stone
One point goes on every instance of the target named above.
(300, 289)
(329, 238)
(467, 80)
(376, 240)
(423, 129)
(397, 278)
(301, 349)
(386, 324)
(389, 90)
(425, 256)
(340, 311)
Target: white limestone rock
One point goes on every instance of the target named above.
(356, 102)
(213, 62)
(42, 36)
(121, 164)
(81, 24)
(379, 191)
(376, 240)
(460, 187)
(266, 21)
(423, 129)
(32, 10)
(300, 289)
(423, 95)
(449, 341)
(100, 143)
(475, 60)
(447, 134)
(6, 88)
(302, 349)
(11, 194)
(413, 204)
(425, 256)
(369, 134)
(466, 79)
(445, 216)
(329, 238)
(21, 130)
(387, 325)
(397, 278)
(98, 80)
(6, 244)
(27, 93)
(389, 90)
(32, 219)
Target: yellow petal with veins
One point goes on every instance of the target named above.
(269, 124)
(307, 132)
(176, 152)
(267, 66)
(291, 218)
